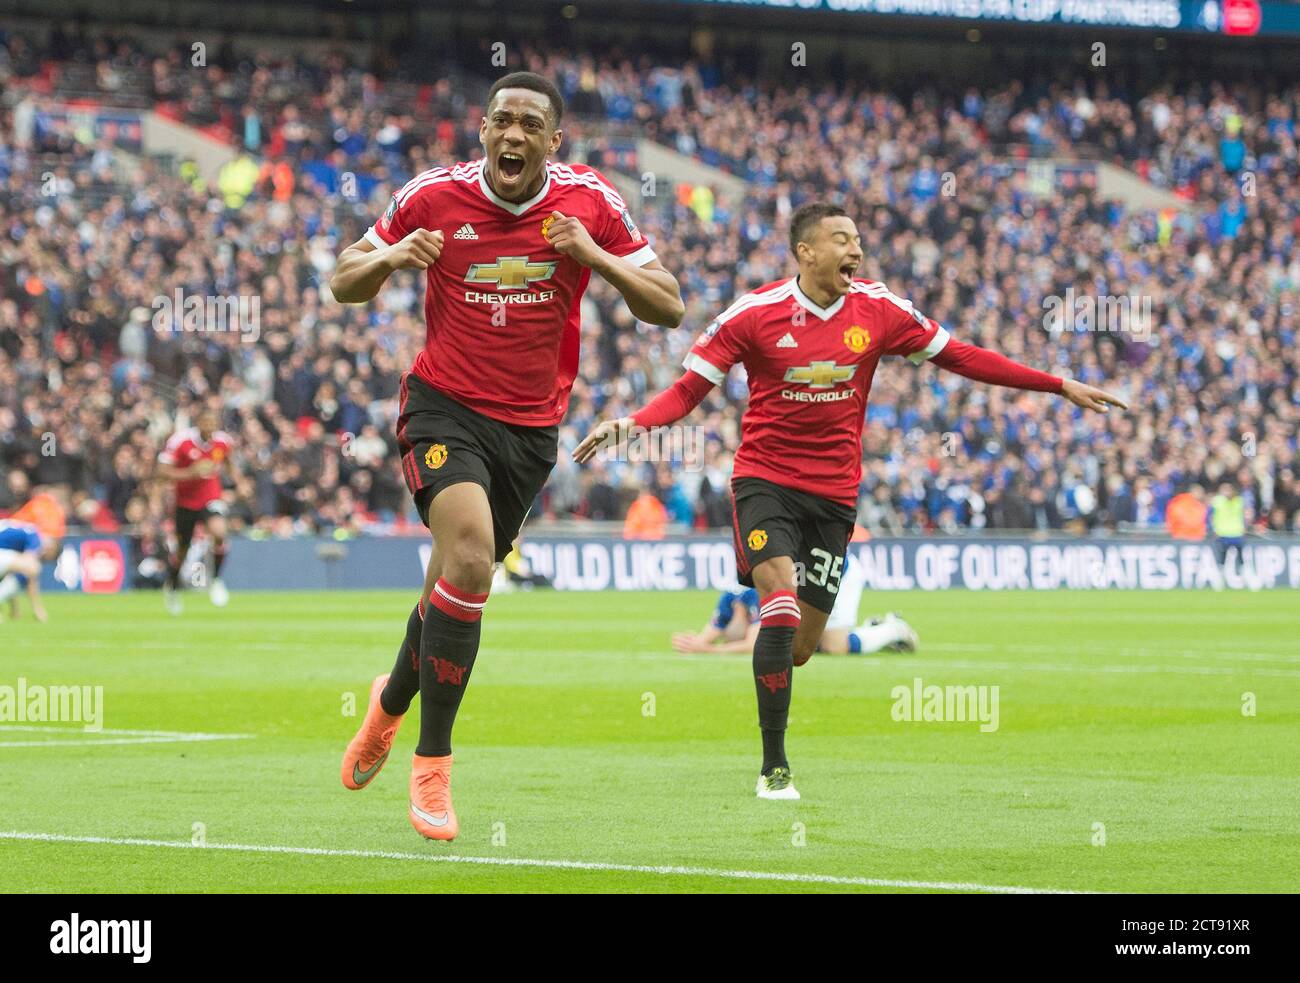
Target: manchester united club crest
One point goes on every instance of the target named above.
(775, 680)
(546, 227)
(857, 339)
(435, 457)
(448, 672)
(757, 539)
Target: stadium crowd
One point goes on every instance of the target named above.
(92, 381)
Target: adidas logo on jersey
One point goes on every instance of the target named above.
(787, 342)
(466, 231)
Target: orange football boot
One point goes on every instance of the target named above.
(369, 749)
(431, 813)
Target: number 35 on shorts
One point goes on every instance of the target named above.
(824, 570)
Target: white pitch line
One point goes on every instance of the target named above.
(1233, 655)
(1135, 669)
(666, 871)
(116, 737)
(43, 728)
(180, 645)
(118, 741)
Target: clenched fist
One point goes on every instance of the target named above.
(418, 251)
(571, 238)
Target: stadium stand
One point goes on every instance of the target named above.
(87, 245)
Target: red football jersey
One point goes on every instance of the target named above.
(501, 308)
(185, 447)
(810, 372)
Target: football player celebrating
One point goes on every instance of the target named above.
(507, 244)
(193, 459)
(810, 345)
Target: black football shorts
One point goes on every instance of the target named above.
(772, 520)
(443, 442)
(187, 520)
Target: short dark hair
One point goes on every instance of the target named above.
(533, 82)
(805, 217)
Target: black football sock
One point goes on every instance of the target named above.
(448, 646)
(404, 680)
(773, 667)
(174, 565)
(218, 558)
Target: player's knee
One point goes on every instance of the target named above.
(803, 651)
(467, 563)
(771, 577)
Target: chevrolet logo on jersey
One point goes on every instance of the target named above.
(820, 375)
(510, 272)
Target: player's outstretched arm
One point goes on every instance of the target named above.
(362, 268)
(696, 641)
(743, 644)
(668, 407)
(651, 292)
(987, 366)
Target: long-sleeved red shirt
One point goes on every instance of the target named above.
(970, 361)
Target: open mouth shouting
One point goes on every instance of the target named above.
(510, 166)
(846, 271)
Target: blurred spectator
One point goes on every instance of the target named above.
(646, 518)
(1186, 514)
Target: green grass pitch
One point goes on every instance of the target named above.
(590, 757)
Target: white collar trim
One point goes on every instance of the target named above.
(512, 207)
(825, 313)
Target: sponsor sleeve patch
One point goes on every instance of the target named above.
(628, 224)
